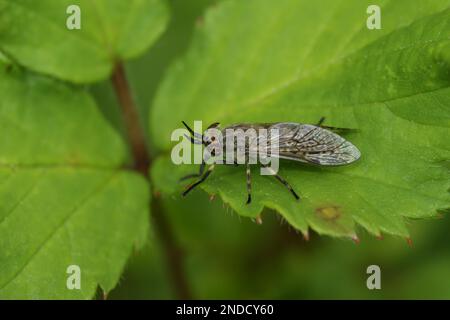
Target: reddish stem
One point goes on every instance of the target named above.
(142, 162)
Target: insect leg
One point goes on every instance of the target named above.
(339, 130)
(203, 178)
(319, 124)
(284, 182)
(249, 184)
(334, 129)
(195, 175)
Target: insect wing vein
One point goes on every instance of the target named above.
(309, 143)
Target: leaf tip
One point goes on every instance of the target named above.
(355, 239)
(409, 242)
(306, 235)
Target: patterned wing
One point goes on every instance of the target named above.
(312, 144)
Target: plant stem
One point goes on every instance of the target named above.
(142, 163)
(136, 137)
(174, 254)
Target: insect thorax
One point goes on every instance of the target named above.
(241, 144)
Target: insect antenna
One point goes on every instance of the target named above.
(193, 140)
(214, 125)
(196, 138)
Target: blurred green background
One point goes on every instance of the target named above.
(227, 256)
(230, 257)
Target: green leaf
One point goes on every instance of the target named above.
(34, 33)
(64, 197)
(4, 59)
(266, 61)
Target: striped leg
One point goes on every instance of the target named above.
(284, 182)
(249, 184)
(203, 178)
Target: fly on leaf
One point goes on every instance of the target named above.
(314, 144)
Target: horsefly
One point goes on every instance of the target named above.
(314, 144)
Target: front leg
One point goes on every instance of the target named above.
(195, 175)
(203, 178)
